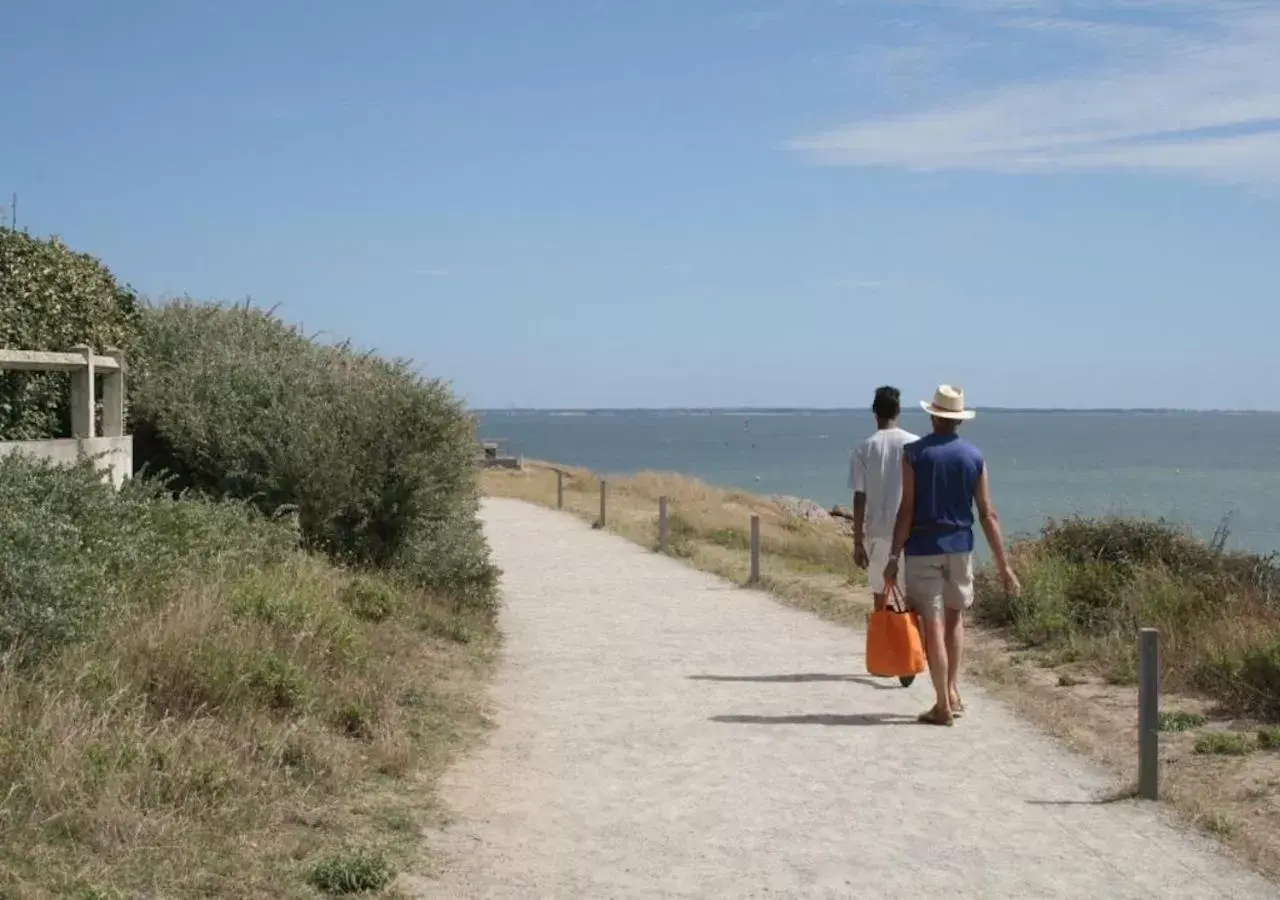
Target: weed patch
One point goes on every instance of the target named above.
(1225, 743)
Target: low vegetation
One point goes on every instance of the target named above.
(193, 706)
(1225, 743)
(1089, 585)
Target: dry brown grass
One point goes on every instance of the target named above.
(1235, 799)
(258, 725)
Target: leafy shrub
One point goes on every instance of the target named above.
(378, 462)
(1091, 584)
(371, 599)
(1246, 673)
(1269, 737)
(73, 551)
(52, 298)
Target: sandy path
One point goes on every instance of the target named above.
(664, 734)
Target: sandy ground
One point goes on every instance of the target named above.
(661, 733)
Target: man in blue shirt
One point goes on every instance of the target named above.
(943, 477)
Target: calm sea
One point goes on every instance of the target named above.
(1193, 468)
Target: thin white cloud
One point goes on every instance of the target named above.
(434, 273)
(1201, 102)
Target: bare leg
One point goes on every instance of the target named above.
(936, 650)
(955, 651)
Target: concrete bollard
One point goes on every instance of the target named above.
(559, 489)
(1149, 714)
(754, 578)
(662, 524)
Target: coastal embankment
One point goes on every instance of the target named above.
(1063, 655)
(240, 674)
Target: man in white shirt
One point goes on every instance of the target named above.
(875, 476)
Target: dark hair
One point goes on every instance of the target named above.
(887, 404)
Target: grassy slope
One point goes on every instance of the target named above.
(1079, 695)
(195, 708)
(261, 726)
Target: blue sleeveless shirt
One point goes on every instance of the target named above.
(946, 469)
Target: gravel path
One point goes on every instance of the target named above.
(661, 733)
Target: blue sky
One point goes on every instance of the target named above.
(687, 202)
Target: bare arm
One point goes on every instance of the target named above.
(906, 509)
(990, 521)
(858, 481)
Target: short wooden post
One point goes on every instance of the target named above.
(604, 486)
(83, 402)
(662, 524)
(559, 489)
(755, 551)
(1149, 714)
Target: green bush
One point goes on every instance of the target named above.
(377, 461)
(73, 551)
(1245, 674)
(1089, 585)
(52, 298)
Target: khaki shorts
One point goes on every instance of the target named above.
(935, 583)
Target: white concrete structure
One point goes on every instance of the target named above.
(113, 449)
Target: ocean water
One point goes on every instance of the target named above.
(1194, 468)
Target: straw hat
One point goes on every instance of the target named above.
(948, 403)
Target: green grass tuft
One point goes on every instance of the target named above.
(352, 873)
(1225, 743)
(1174, 720)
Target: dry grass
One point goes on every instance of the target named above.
(1074, 695)
(262, 732)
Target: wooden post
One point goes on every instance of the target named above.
(1149, 714)
(604, 485)
(83, 403)
(662, 524)
(755, 551)
(559, 489)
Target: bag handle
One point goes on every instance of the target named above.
(897, 601)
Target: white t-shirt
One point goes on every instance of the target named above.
(875, 469)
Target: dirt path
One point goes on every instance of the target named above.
(662, 733)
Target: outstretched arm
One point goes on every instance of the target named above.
(991, 528)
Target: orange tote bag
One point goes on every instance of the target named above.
(894, 645)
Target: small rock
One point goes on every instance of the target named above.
(800, 508)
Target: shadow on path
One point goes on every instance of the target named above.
(880, 684)
(1104, 800)
(828, 719)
